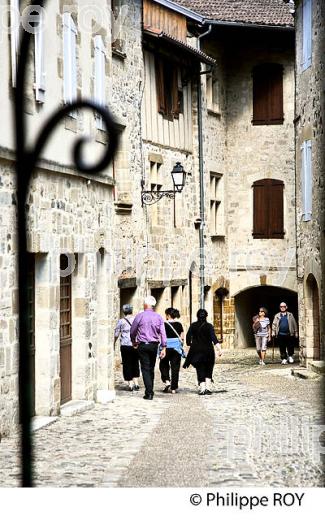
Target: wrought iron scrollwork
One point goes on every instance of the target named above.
(151, 197)
(26, 161)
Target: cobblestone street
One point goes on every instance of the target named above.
(255, 430)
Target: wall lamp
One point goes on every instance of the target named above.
(178, 174)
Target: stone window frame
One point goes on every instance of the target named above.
(213, 94)
(216, 209)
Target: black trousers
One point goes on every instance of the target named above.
(204, 370)
(130, 362)
(148, 355)
(286, 345)
(170, 363)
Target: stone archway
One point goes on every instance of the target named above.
(312, 319)
(247, 303)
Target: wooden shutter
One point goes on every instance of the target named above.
(275, 94)
(14, 38)
(275, 208)
(306, 181)
(306, 33)
(268, 94)
(69, 59)
(160, 80)
(260, 217)
(260, 90)
(175, 102)
(39, 60)
(99, 79)
(268, 209)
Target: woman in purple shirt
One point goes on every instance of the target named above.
(130, 358)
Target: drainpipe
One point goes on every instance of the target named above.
(201, 172)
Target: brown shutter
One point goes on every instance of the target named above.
(276, 95)
(260, 214)
(276, 209)
(268, 94)
(160, 88)
(260, 90)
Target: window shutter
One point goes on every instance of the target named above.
(307, 33)
(268, 209)
(69, 59)
(14, 38)
(99, 80)
(306, 181)
(275, 211)
(39, 62)
(260, 220)
(260, 90)
(161, 100)
(276, 94)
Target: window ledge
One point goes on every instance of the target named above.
(123, 208)
(214, 112)
(118, 54)
(218, 236)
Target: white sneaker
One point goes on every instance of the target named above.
(284, 362)
(262, 363)
(290, 359)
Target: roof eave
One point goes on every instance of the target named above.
(206, 21)
(181, 10)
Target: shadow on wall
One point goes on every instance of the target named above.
(247, 304)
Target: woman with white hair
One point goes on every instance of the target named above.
(130, 358)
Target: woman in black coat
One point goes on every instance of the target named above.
(201, 339)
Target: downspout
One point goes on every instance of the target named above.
(201, 175)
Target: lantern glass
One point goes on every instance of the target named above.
(178, 175)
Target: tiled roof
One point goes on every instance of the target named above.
(259, 12)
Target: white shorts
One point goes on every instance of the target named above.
(261, 343)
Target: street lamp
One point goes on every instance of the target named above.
(178, 174)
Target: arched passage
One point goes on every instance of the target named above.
(247, 303)
(312, 318)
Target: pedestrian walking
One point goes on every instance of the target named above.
(262, 333)
(130, 357)
(147, 333)
(170, 364)
(202, 339)
(284, 329)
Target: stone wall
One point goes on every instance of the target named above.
(310, 234)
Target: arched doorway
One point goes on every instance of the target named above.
(247, 303)
(312, 319)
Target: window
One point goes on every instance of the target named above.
(268, 209)
(99, 79)
(306, 181)
(216, 204)
(69, 60)
(39, 60)
(155, 185)
(14, 38)
(213, 94)
(306, 34)
(119, 13)
(169, 89)
(268, 94)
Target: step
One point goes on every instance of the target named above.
(317, 366)
(303, 373)
(41, 421)
(74, 407)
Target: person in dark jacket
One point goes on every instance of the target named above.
(202, 339)
(171, 363)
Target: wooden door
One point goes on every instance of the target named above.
(31, 327)
(65, 335)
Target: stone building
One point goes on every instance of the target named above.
(206, 87)
(250, 238)
(77, 52)
(310, 174)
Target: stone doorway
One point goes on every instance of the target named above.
(312, 317)
(247, 303)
